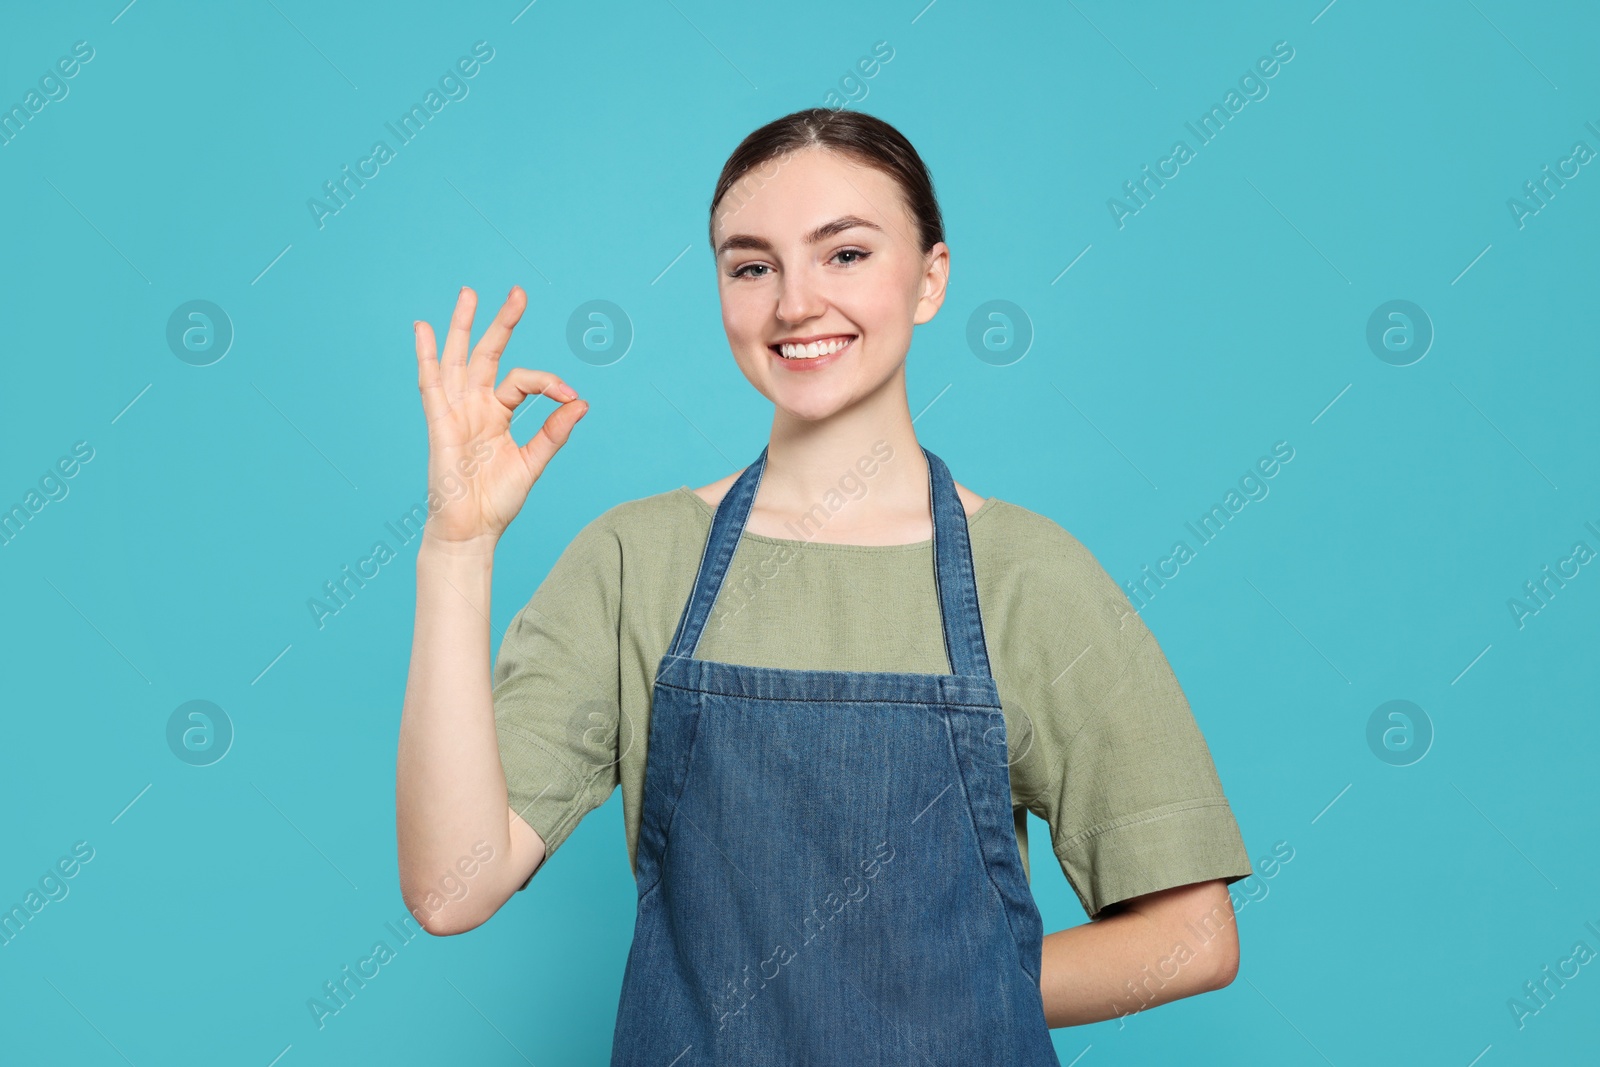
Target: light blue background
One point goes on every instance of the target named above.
(1228, 314)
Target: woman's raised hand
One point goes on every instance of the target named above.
(478, 476)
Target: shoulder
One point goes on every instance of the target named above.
(1038, 576)
(645, 512)
(1022, 538)
(661, 526)
(634, 544)
(712, 494)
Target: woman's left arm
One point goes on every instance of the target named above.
(1143, 951)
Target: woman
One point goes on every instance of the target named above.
(788, 674)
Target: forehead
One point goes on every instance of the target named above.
(789, 196)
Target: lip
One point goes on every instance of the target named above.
(811, 364)
(808, 340)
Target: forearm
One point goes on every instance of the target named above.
(1130, 961)
(450, 791)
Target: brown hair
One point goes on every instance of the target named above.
(862, 138)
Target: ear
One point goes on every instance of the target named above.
(935, 277)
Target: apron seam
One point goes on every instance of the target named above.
(977, 833)
(940, 702)
(677, 799)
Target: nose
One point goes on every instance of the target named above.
(799, 297)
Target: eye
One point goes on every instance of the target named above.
(860, 254)
(742, 272)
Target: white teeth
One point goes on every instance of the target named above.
(814, 349)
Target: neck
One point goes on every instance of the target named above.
(862, 465)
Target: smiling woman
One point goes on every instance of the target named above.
(879, 266)
(856, 701)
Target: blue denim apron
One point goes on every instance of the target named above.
(827, 867)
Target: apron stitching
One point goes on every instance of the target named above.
(974, 610)
(961, 776)
(726, 549)
(672, 815)
(974, 653)
(937, 702)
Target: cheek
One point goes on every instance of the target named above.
(741, 316)
(886, 300)
(881, 311)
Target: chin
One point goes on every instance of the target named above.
(810, 409)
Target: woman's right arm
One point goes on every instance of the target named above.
(450, 791)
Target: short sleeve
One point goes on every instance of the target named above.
(1140, 807)
(556, 690)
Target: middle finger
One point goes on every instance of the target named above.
(456, 342)
(481, 371)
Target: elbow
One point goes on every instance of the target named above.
(445, 922)
(439, 926)
(441, 919)
(1225, 966)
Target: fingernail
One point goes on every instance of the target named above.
(567, 392)
(416, 325)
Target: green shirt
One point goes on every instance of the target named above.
(1101, 740)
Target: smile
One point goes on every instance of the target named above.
(815, 349)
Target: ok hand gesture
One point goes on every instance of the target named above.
(480, 474)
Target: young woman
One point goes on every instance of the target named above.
(796, 675)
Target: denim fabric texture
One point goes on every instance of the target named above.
(828, 870)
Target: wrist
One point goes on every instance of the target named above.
(478, 549)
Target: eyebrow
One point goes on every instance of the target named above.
(746, 241)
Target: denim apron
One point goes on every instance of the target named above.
(828, 869)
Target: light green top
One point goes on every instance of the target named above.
(1102, 743)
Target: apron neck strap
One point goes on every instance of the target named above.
(952, 558)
